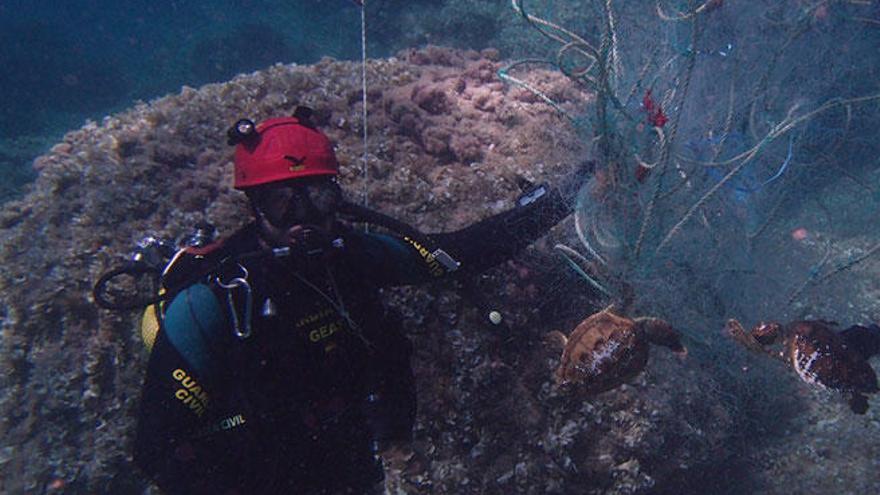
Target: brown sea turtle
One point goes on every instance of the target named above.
(606, 350)
(820, 355)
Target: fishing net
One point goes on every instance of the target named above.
(734, 146)
(736, 172)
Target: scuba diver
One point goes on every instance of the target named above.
(274, 365)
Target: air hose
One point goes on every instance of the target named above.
(103, 291)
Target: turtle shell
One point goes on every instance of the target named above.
(604, 351)
(822, 357)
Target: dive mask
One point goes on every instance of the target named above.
(296, 202)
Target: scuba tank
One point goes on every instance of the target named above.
(138, 282)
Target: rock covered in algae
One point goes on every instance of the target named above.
(447, 143)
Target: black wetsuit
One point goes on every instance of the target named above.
(296, 406)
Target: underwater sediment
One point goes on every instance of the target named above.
(447, 143)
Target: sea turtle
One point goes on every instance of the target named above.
(606, 350)
(820, 355)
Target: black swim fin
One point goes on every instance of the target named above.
(864, 340)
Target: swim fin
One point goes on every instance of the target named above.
(864, 340)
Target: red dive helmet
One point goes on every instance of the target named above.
(280, 149)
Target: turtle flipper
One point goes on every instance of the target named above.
(659, 332)
(556, 340)
(858, 403)
(863, 340)
(736, 331)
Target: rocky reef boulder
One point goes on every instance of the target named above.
(447, 144)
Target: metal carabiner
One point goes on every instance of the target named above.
(241, 329)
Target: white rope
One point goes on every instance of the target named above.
(364, 169)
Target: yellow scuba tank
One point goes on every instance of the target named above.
(150, 326)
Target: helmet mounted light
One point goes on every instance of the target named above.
(242, 131)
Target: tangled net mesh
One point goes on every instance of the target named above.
(715, 127)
